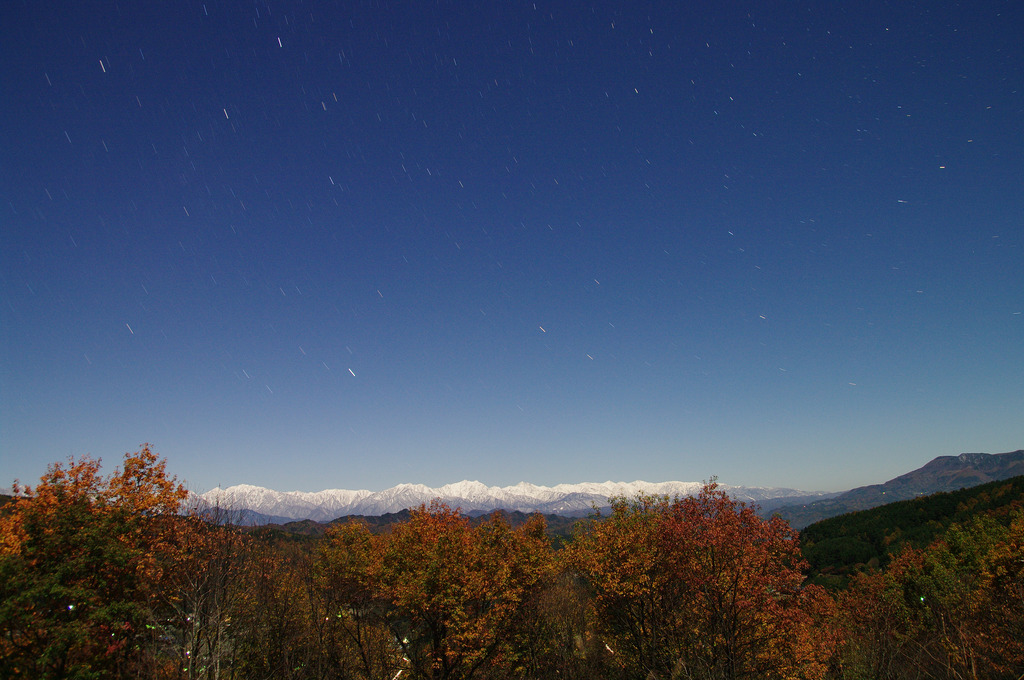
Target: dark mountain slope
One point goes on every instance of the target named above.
(945, 473)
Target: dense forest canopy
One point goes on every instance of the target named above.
(838, 546)
(113, 577)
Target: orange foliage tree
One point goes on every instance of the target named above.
(1002, 603)
(79, 560)
(703, 588)
(450, 593)
(354, 636)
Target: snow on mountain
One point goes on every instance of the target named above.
(333, 502)
(470, 496)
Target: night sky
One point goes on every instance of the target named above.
(313, 245)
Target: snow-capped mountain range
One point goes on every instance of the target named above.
(471, 497)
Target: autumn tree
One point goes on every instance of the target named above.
(203, 584)
(633, 591)
(556, 634)
(702, 588)
(951, 610)
(351, 622)
(79, 557)
(1001, 604)
(449, 593)
(271, 628)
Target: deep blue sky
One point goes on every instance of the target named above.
(318, 244)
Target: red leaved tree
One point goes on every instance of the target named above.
(703, 588)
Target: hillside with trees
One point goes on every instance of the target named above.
(111, 577)
(838, 546)
(941, 474)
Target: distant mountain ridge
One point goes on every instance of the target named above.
(253, 502)
(944, 473)
(257, 505)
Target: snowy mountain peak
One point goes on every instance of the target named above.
(463, 489)
(469, 496)
(240, 488)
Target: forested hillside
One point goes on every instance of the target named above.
(107, 577)
(838, 546)
(558, 528)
